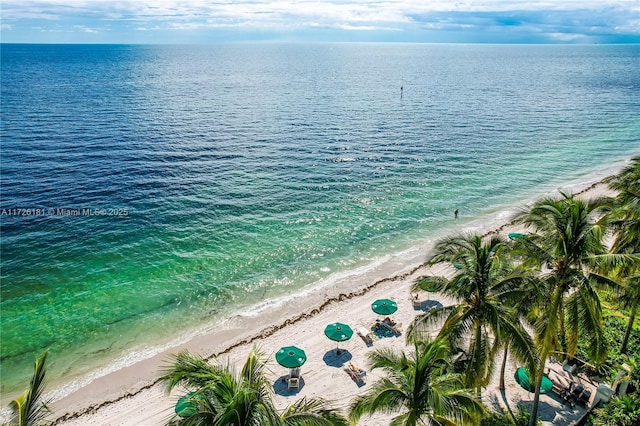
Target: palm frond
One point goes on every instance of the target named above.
(520, 344)
(384, 396)
(312, 412)
(28, 408)
(188, 370)
(585, 318)
(429, 283)
(419, 388)
(423, 324)
(224, 396)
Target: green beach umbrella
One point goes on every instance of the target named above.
(338, 332)
(516, 236)
(185, 407)
(384, 306)
(291, 357)
(522, 377)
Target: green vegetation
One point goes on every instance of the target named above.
(488, 291)
(620, 411)
(222, 396)
(614, 330)
(579, 295)
(420, 387)
(501, 418)
(555, 280)
(624, 218)
(560, 253)
(29, 409)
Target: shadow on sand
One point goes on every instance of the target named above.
(281, 386)
(358, 383)
(550, 413)
(337, 358)
(560, 414)
(425, 305)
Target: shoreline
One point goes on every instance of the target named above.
(231, 345)
(138, 382)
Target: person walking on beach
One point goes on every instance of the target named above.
(455, 214)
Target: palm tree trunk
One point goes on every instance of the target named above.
(627, 333)
(476, 353)
(504, 365)
(563, 335)
(552, 317)
(536, 397)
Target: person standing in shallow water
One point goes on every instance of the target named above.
(455, 214)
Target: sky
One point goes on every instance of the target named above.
(214, 21)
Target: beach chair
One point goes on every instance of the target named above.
(367, 336)
(356, 374)
(294, 383)
(393, 329)
(417, 304)
(397, 329)
(382, 329)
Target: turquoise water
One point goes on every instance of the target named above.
(221, 176)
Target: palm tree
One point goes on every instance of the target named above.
(224, 397)
(28, 408)
(486, 289)
(567, 239)
(624, 218)
(627, 285)
(627, 183)
(622, 274)
(420, 387)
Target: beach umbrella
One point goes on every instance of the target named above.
(338, 332)
(185, 407)
(384, 306)
(522, 377)
(516, 236)
(291, 357)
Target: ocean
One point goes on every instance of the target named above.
(147, 191)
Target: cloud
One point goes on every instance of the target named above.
(567, 20)
(84, 29)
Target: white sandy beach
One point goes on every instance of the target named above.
(132, 397)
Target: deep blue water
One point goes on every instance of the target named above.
(221, 175)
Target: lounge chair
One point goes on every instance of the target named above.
(389, 321)
(367, 336)
(397, 328)
(294, 383)
(381, 329)
(356, 374)
(394, 329)
(417, 304)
